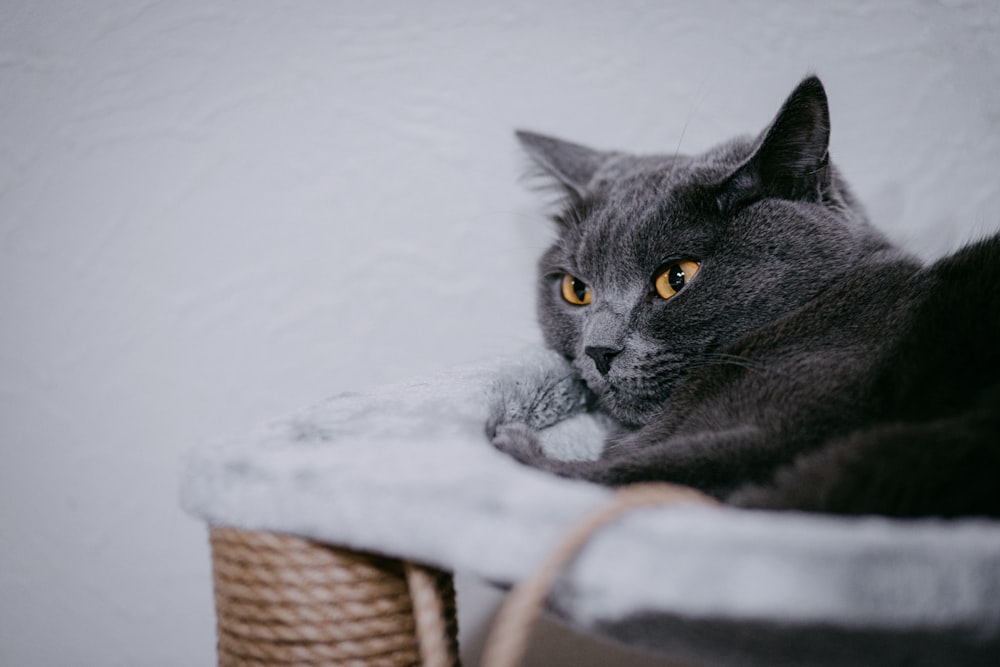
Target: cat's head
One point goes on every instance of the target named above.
(664, 260)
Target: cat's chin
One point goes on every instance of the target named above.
(627, 413)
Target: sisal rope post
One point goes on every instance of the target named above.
(508, 640)
(285, 600)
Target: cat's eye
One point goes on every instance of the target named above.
(575, 291)
(674, 276)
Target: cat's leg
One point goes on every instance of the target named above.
(709, 460)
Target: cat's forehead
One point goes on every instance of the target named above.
(640, 213)
(627, 174)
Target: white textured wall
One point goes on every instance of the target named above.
(213, 212)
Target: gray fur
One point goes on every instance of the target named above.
(777, 357)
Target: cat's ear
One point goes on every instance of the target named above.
(791, 159)
(571, 166)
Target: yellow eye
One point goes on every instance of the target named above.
(674, 276)
(575, 291)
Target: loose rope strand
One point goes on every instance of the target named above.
(433, 597)
(508, 639)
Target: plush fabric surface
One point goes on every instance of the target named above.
(407, 470)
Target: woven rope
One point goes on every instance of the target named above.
(284, 600)
(508, 639)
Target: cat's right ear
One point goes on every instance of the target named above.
(570, 166)
(791, 160)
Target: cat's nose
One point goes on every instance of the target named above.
(602, 357)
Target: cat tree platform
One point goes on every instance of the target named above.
(334, 531)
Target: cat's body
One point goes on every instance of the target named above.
(756, 338)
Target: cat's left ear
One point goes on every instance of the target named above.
(572, 166)
(791, 160)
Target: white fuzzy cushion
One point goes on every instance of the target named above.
(407, 470)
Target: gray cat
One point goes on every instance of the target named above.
(753, 336)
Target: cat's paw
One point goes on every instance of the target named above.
(519, 441)
(536, 397)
